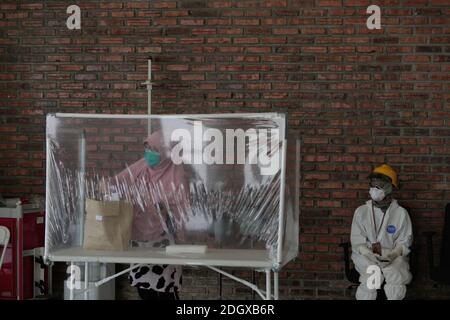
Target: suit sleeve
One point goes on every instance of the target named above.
(404, 234)
(358, 234)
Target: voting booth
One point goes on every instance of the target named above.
(223, 190)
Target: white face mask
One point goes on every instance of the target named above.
(377, 194)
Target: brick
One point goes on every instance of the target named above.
(177, 67)
(312, 31)
(58, 58)
(329, 3)
(111, 5)
(289, 31)
(164, 21)
(111, 58)
(275, 3)
(16, 15)
(59, 41)
(192, 77)
(8, 6)
(274, 21)
(247, 22)
(192, 22)
(122, 14)
(136, 5)
(203, 31)
(112, 40)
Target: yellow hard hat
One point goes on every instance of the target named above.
(387, 171)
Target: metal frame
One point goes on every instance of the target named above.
(149, 86)
(167, 116)
(267, 295)
(82, 191)
(47, 196)
(282, 200)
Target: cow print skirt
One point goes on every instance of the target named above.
(162, 278)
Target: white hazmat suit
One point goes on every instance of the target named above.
(395, 237)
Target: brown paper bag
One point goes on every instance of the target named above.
(107, 225)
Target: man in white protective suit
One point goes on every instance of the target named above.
(381, 235)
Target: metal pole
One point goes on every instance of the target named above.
(220, 287)
(103, 281)
(254, 282)
(246, 283)
(81, 186)
(281, 206)
(50, 279)
(264, 115)
(276, 285)
(268, 284)
(19, 237)
(148, 83)
(72, 280)
(47, 198)
(149, 96)
(82, 196)
(253, 271)
(86, 280)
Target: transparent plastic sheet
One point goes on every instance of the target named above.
(225, 197)
(290, 240)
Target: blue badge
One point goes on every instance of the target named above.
(391, 229)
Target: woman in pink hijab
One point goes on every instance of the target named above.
(158, 190)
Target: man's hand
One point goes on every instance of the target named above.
(366, 252)
(391, 255)
(376, 248)
(372, 257)
(382, 261)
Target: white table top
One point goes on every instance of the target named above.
(213, 257)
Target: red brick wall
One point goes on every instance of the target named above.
(359, 97)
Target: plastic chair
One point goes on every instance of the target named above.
(440, 273)
(350, 272)
(4, 240)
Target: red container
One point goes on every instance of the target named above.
(17, 274)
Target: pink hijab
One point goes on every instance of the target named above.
(146, 186)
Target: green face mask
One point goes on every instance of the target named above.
(153, 158)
